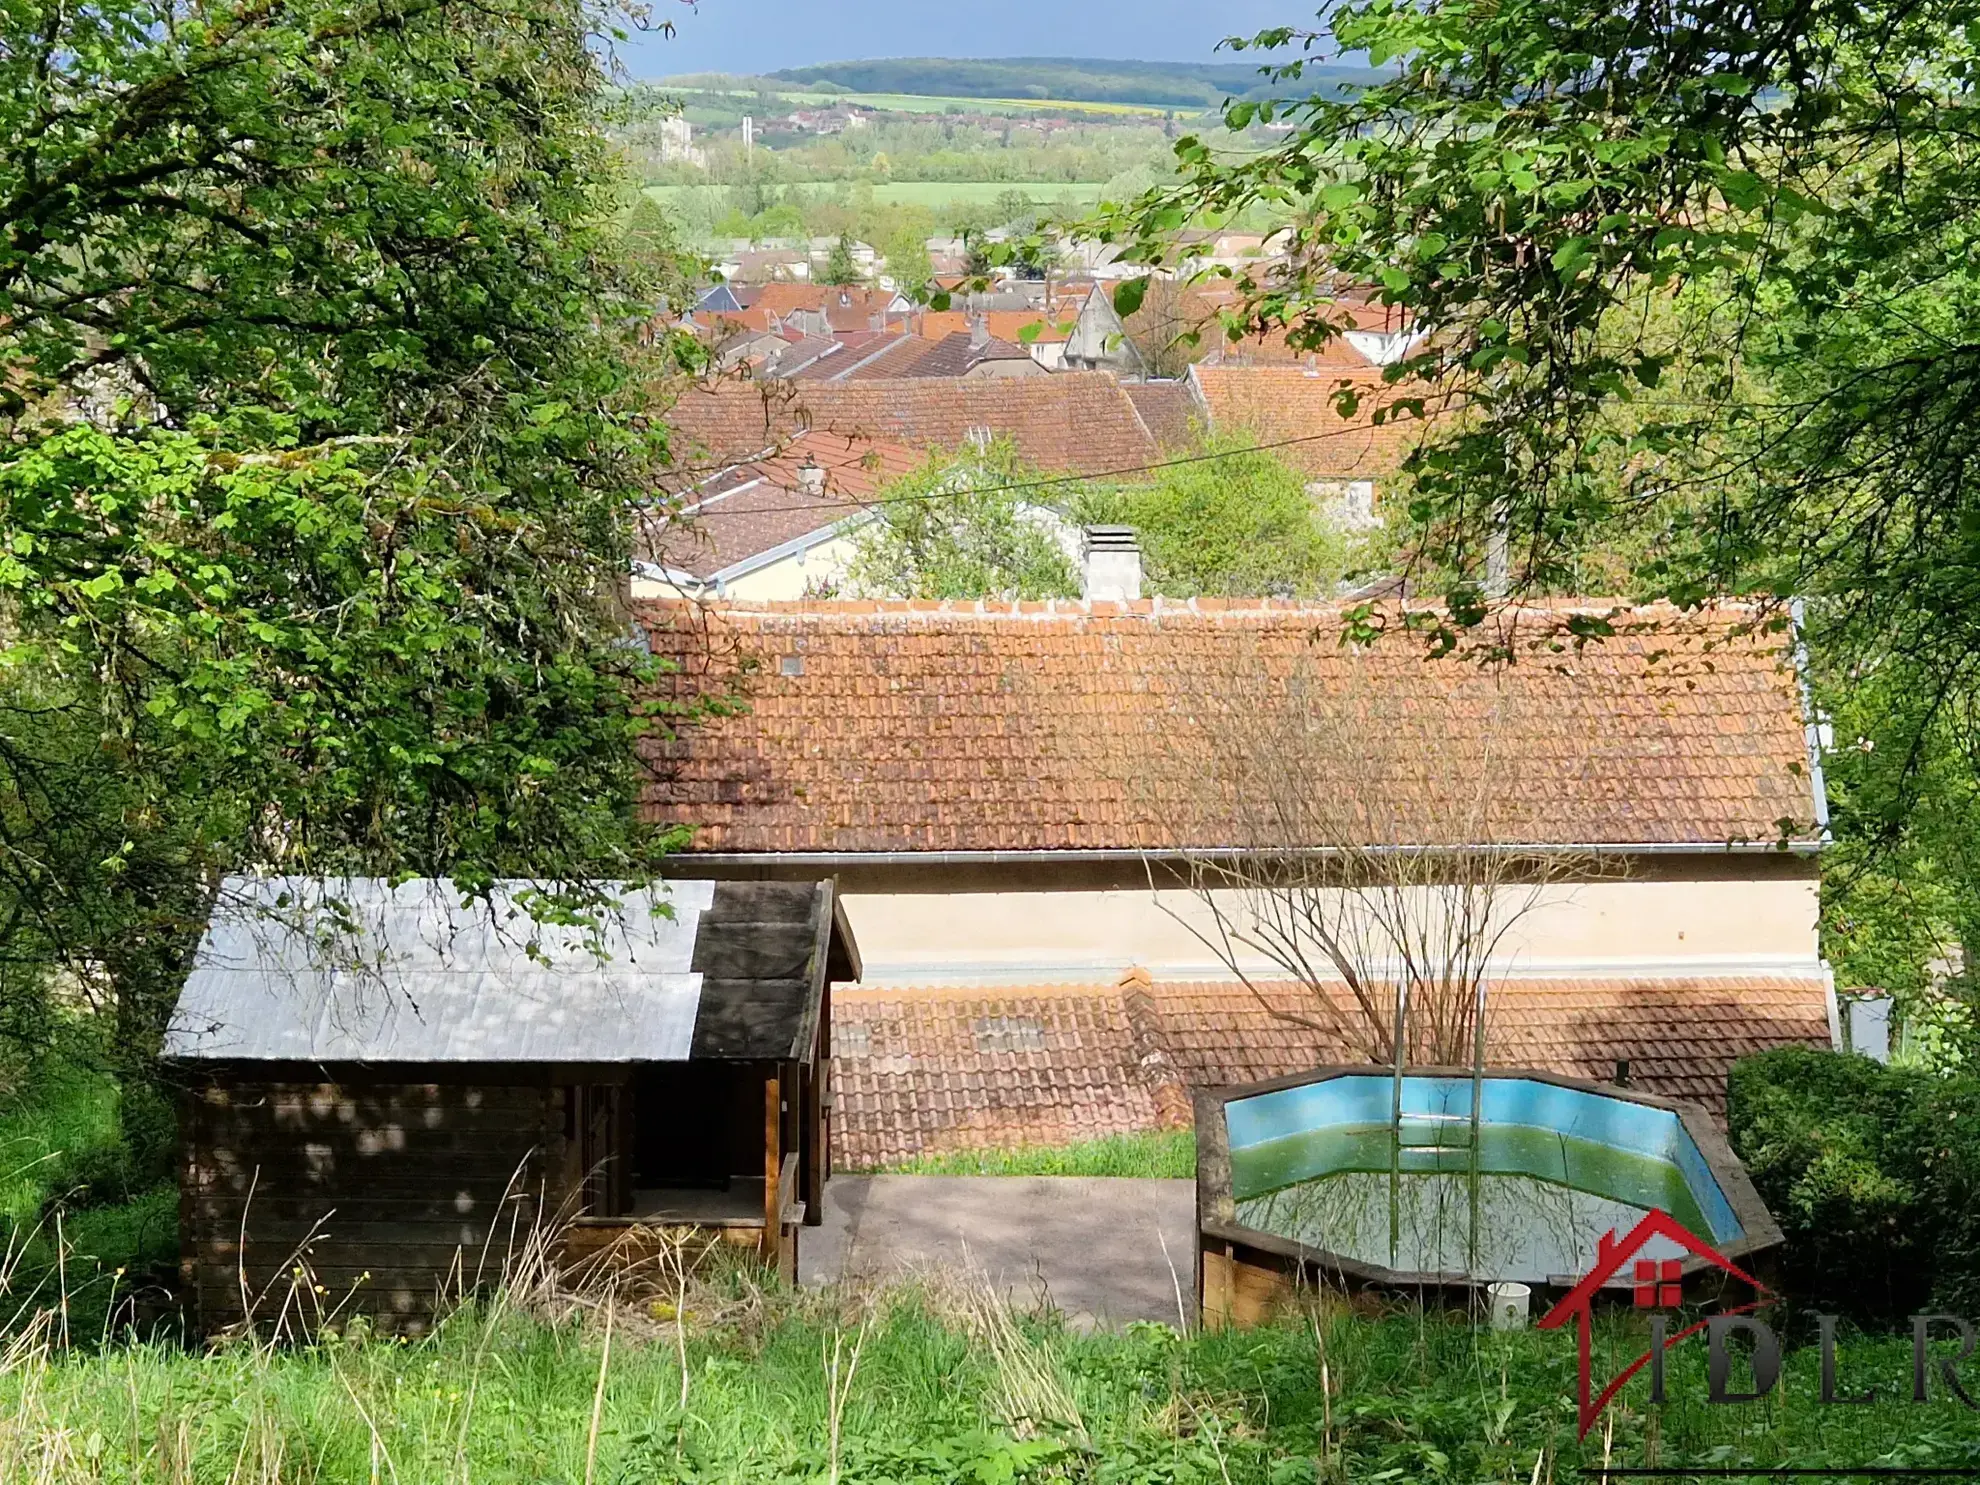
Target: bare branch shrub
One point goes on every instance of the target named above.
(1368, 833)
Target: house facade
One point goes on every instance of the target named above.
(993, 787)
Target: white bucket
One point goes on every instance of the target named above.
(1508, 1303)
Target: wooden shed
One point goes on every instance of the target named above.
(391, 1088)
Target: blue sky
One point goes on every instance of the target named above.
(762, 35)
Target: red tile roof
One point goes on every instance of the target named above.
(1300, 409)
(929, 727)
(1076, 422)
(956, 355)
(1169, 411)
(1003, 324)
(761, 504)
(918, 1071)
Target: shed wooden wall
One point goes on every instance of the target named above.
(394, 1193)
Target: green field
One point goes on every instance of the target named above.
(934, 103)
(921, 103)
(941, 192)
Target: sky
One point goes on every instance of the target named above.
(763, 35)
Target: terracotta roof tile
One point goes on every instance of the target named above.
(954, 355)
(1003, 324)
(1276, 404)
(979, 726)
(1070, 422)
(755, 506)
(1169, 411)
(919, 1071)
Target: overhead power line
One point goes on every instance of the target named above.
(1048, 482)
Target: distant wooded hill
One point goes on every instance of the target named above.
(1075, 79)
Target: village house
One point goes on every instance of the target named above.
(777, 526)
(984, 782)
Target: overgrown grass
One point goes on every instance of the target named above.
(53, 1121)
(918, 1385)
(84, 1226)
(1169, 1153)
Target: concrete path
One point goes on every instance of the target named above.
(1091, 1246)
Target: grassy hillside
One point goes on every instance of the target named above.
(1187, 85)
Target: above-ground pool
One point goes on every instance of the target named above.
(1318, 1173)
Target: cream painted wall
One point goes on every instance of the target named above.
(788, 578)
(1762, 925)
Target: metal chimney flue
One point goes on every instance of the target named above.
(1112, 568)
(811, 479)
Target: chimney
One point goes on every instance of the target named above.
(979, 332)
(1112, 569)
(811, 479)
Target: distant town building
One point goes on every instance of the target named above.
(677, 146)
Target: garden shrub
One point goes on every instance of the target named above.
(1872, 1173)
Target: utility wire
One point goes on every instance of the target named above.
(1044, 482)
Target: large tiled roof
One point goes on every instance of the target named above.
(1053, 726)
(759, 505)
(1076, 422)
(919, 1071)
(1299, 409)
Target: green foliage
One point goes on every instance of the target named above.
(1901, 892)
(839, 265)
(1170, 1154)
(323, 416)
(1233, 521)
(1807, 408)
(953, 529)
(1822, 1137)
(1227, 521)
(906, 252)
(58, 1122)
(1873, 1173)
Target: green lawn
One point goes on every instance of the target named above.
(1168, 1154)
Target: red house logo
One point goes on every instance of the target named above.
(1658, 1285)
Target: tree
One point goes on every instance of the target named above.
(1703, 270)
(953, 530)
(324, 416)
(839, 265)
(1232, 520)
(1317, 833)
(1169, 325)
(1532, 181)
(906, 251)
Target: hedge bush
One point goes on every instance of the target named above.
(1873, 1173)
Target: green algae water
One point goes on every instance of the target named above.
(1543, 1198)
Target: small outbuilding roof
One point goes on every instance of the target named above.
(295, 969)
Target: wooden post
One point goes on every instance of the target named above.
(815, 1155)
(773, 1168)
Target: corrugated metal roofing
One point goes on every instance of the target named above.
(358, 970)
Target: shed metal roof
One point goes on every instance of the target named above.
(361, 970)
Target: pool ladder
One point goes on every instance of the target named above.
(1424, 1143)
